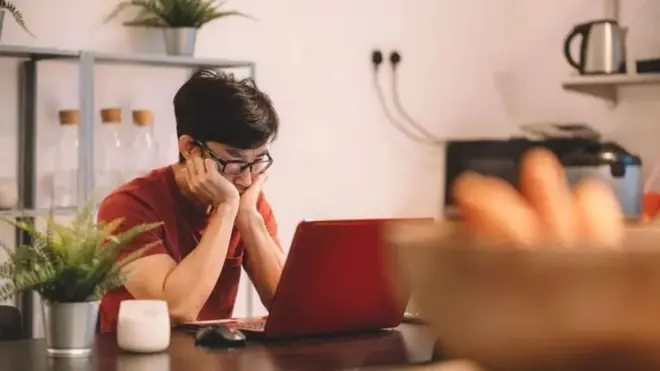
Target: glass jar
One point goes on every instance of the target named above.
(109, 172)
(144, 148)
(65, 174)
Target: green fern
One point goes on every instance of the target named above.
(7, 270)
(18, 16)
(71, 263)
(173, 13)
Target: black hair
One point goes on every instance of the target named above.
(216, 107)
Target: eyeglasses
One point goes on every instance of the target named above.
(236, 167)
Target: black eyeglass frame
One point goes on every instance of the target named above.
(243, 165)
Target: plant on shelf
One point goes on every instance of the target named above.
(180, 19)
(8, 7)
(71, 266)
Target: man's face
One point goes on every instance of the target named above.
(233, 159)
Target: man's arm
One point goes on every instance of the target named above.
(264, 256)
(185, 286)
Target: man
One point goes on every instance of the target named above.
(215, 217)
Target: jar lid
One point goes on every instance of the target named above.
(111, 115)
(143, 117)
(69, 117)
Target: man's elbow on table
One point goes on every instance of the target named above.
(148, 281)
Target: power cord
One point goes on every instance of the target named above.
(395, 59)
(377, 60)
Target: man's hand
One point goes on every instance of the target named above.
(207, 183)
(265, 259)
(544, 212)
(248, 205)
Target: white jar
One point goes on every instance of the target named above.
(143, 326)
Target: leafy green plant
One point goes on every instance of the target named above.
(18, 16)
(70, 263)
(174, 13)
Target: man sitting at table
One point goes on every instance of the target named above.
(215, 217)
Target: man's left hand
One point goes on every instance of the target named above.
(248, 205)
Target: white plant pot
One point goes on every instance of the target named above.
(180, 40)
(70, 328)
(143, 326)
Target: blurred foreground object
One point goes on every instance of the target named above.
(545, 278)
(546, 210)
(651, 206)
(536, 309)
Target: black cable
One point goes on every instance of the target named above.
(395, 59)
(377, 59)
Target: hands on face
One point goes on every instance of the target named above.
(250, 197)
(544, 212)
(207, 183)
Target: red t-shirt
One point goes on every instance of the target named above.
(156, 197)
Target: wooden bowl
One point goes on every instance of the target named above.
(549, 308)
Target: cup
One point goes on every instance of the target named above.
(143, 326)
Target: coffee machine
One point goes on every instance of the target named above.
(581, 150)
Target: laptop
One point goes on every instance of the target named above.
(337, 279)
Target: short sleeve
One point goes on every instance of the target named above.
(269, 218)
(133, 212)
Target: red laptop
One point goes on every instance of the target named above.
(337, 279)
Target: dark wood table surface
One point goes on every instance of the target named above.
(406, 345)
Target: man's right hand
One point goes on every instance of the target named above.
(207, 183)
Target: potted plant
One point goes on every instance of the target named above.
(71, 266)
(7, 7)
(179, 19)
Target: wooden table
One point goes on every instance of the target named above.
(405, 345)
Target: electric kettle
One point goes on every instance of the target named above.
(602, 47)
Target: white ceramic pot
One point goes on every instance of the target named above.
(143, 326)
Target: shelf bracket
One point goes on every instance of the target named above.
(27, 161)
(86, 128)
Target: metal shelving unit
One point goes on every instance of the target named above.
(29, 57)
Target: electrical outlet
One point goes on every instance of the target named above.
(395, 58)
(376, 57)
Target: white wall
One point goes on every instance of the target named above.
(471, 67)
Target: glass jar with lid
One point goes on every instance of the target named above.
(144, 148)
(65, 174)
(109, 172)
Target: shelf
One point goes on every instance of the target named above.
(166, 60)
(28, 52)
(156, 60)
(606, 86)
